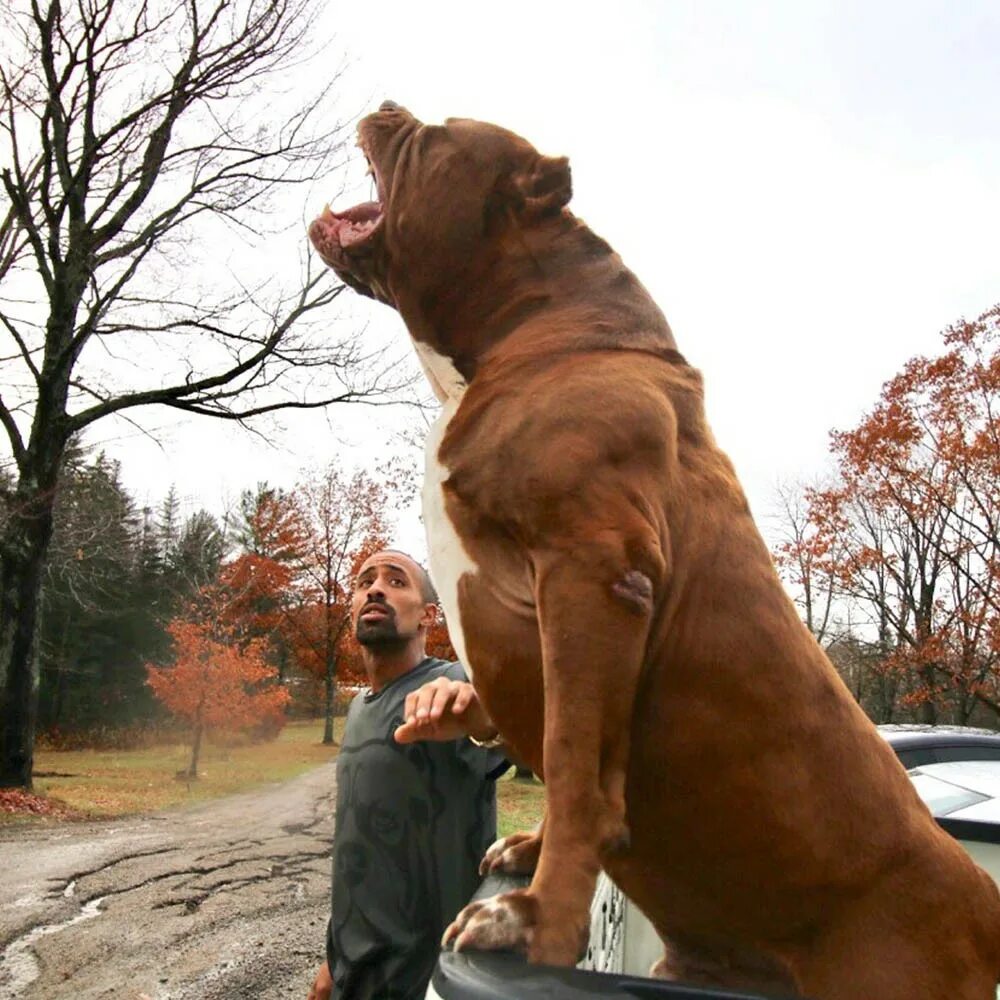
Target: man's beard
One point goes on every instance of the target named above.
(381, 633)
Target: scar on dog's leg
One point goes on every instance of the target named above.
(636, 590)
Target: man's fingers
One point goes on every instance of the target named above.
(418, 702)
(462, 698)
(432, 703)
(444, 695)
(406, 733)
(410, 705)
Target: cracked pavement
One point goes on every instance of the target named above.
(226, 899)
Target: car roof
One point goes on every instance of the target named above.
(900, 736)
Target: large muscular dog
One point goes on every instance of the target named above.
(605, 584)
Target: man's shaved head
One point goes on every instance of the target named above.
(423, 577)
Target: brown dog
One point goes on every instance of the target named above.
(606, 585)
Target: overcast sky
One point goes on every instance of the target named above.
(810, 190)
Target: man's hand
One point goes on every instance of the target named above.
(321, 988)
(444, 709)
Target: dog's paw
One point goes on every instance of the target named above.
(500, 923)
(515, 921)
(513, 855)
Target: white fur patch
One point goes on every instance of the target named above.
(495, 925)
(448, 558)
(496, 848)
(445, 379)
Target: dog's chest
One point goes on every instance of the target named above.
(448, 557)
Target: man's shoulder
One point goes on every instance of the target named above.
(446, 668)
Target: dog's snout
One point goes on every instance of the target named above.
(389, 106)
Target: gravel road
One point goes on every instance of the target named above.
(224, 900)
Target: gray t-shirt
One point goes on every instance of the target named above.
(412, 824)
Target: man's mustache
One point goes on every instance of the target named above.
(377, 606)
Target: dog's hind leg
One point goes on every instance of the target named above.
(595, 604)
(731, 968)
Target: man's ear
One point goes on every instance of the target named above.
(543, 187)
(430, 615)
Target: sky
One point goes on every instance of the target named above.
(810, 191)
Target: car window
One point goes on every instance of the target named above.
(942, 797)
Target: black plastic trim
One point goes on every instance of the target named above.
(482, 975)
(974, 830)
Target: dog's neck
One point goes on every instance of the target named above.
(559, 270)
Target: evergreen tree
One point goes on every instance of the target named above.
(95, 628)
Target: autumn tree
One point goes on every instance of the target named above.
(438, 643)
(260, 582)
(215, 681)
(144, 149)
(911, 525)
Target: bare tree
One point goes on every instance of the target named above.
(145, 147)
(802, 559)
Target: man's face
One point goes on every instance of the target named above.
(388, 606)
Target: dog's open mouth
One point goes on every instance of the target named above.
(334, 234)
(345, 229)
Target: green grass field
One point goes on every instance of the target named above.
(124, 782)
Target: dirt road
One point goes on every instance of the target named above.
(226, 900)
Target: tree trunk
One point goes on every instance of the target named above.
(192, 771)
(928, 707)
(24, 545)
(331, 689)
(51, 715)
(23, 549)
(59, 696)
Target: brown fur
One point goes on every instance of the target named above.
(626, 628)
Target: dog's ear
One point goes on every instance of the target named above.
(542, 187)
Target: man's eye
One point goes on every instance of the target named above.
(399, 583)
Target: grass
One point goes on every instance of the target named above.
(112, 783)
(520, 804)
(121, 782)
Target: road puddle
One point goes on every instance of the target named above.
(18, 965)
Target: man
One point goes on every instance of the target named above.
(416, 799)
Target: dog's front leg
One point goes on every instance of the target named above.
(594, 609)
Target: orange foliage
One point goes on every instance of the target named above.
(910, 534)
(256, 587)
(216, 683)
(439, 642)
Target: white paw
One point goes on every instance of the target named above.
(500, 923)
(513, 855)
(493, 858)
